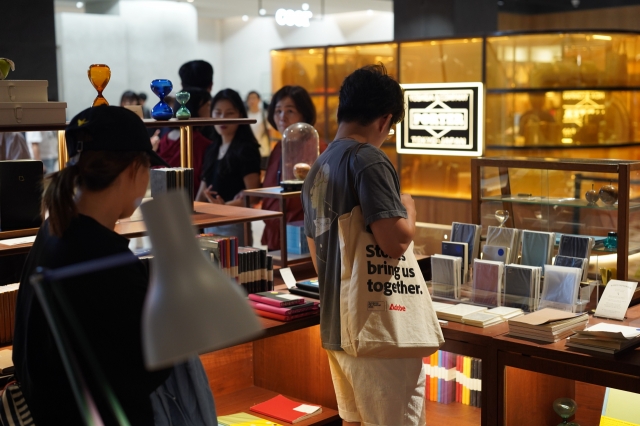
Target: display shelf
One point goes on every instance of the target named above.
(205, 215)
(276, 192)
(454, 413)
(242, 400)
(564, 202)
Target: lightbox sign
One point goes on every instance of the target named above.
(442, 119)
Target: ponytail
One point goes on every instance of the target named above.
(94, 171)
(58, 199)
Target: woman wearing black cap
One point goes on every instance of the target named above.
(105, 180)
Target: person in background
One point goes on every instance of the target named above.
(289, 105)
(169, 146)
(129, 98)
(13, 146)
(196, 74)
(259, 128)
(103, 182)
(44, 147)
(146, 112)
(354, 171)
(232, 161)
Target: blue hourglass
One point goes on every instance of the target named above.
(161, 111)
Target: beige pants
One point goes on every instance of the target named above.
(377, 391)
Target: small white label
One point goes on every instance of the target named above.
(376, 306)
(290, 296)
(308, 409)
(288, 278)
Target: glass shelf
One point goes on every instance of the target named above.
(565, 202)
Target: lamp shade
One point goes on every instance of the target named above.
(191, 307)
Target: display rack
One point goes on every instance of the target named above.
(546, 194)
(281, 257)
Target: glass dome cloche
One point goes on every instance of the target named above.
(300, 149)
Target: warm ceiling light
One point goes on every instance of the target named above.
(262, 12)
(601, 37)
(245, 18)
(80, 5)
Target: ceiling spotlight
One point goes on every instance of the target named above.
(305, 6)
(575, 3)
(80, 5)
(369, 12)
(262, 12)
(245, 18)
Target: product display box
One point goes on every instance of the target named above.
(23, 90)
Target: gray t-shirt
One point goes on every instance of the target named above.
(326, 196)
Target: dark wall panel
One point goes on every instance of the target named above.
(28, 38)
(443, 18)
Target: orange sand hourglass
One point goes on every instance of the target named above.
(99, 76)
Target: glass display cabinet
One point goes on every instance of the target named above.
(566, 196)
(563, 94)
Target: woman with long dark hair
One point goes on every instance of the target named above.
(232, 161)
(104, 181)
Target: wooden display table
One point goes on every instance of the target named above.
(205, 215)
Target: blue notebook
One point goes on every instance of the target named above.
(536, 248)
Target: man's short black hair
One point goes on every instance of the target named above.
(370, 93)
(196, 74)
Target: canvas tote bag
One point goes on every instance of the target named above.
(385, 306)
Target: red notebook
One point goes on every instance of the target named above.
(284, 409)
(266, 314)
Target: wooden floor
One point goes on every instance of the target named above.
(452, 414)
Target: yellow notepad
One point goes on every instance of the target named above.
(244, 419)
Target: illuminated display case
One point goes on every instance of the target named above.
(569, 94)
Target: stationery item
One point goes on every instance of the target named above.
(282, 408)
(457, 312)
(573, 262)
(244, 419)
(575, 246)
(296, 238)
(497, 253)
(603, 337)
(537, 248)
(170, 178)
(294, 316)
(379, 296)
(506, 312)
(505, 237)
(615, 299)
(450, 248)
(487, 282)
(277, 298)
(307, 288)
(482, 319)
(8, 298)
(620, 408)
(446, 276)
(560, 288)
(520, 286)
(291, 310)
(309, 285)
(547, 325)
(467, 233)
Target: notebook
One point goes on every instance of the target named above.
(467, 233)
(282, 408)
(460, 250)
(537, 248)
(575, 246)
(445, 276)
(573, 262)
(560, 288)
(244, 419)
(487, 282)
(497, 253)
(521, 286)
(505, 237)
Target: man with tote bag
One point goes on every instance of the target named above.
(376, 319)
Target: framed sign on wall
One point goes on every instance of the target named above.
(442, 119)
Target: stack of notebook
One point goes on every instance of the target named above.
(507, 239)
(446, 276)
(575, 251)
(547, 325)
(478, 316)
(450, 248)
(537, 248)
(487, 282)
(608, 338)
(282, 306)
(284, 409)
(453, 378)
(244, 419)
(561, 287)
(522, 287)
(171, 178)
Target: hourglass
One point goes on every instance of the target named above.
(502, 216)
(183, 113)
(565, 408)
(161, 87)
(99, 76)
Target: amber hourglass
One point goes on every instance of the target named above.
(99, 76)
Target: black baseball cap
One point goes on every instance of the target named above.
(109, 128)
